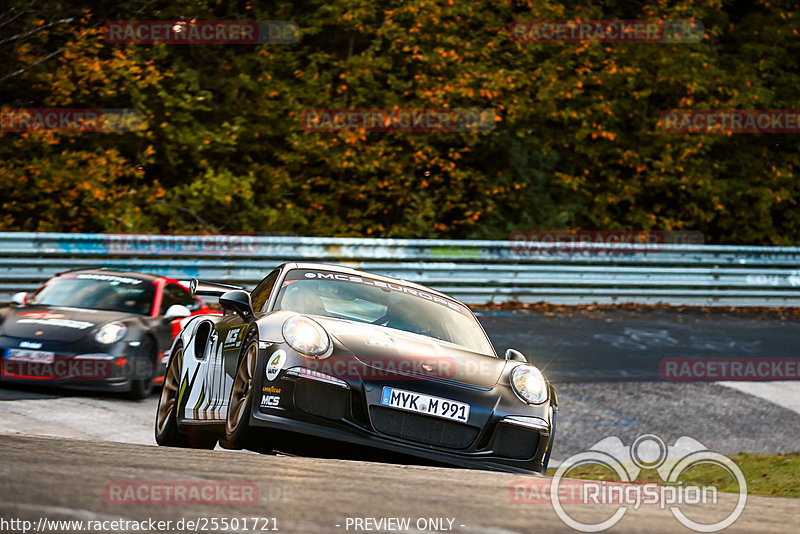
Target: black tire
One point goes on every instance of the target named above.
(144, 367)
(167, 432)
(237, 422)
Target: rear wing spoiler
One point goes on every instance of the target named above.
(209, 289)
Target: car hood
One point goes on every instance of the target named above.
(413, 354)
(47, 323)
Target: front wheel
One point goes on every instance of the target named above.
(237, 422)
(141, 388)
(167, 432)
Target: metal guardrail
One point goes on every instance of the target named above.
(476, 272)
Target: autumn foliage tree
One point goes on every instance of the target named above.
(576, 142)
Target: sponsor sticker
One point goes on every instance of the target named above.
(52, 321)
(110, 278)
(389, 286)
(275, 364)
(270, 401)
(233, 339)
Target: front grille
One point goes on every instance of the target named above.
(422, 428)
(514, 441)
(326, 401)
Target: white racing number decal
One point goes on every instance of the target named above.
(275, 364)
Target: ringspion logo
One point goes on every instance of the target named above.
(647, 452)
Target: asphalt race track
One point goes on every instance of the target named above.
(67, 479)
(60, 450)
(626, 345)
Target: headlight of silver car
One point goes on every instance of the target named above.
(306, 336)
(529, 383)
(110, 333)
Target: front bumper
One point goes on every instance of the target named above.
(502, 433)
(54, 364)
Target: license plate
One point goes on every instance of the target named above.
(23, 355)
(425, 404)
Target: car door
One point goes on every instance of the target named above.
(232, 331)
(229, 335)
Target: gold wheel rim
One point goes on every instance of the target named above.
(169, 392)
(240, 393)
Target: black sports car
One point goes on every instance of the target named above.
(95, 329)
(319, 357)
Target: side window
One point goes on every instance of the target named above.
(260, 295)
(175, 294)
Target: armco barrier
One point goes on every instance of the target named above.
(477, 272)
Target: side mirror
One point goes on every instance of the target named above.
(515, 355)
(238, 301)
(177, 311)
(19, 298)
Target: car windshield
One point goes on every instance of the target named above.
(391, 305)
(98, 292)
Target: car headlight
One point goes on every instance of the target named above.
(529, 383)
(306, 336)
(110, 333)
